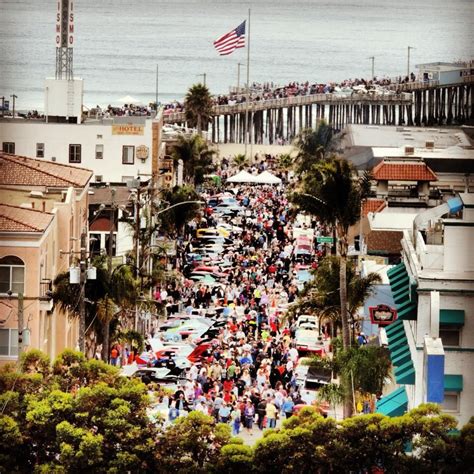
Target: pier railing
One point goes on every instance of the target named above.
(389, 98)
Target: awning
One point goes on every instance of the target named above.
(453, 383)
(393, 404)
(400, 354)
(403, 292)
(454, 317)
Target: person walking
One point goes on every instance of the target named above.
(271, 412)
(249, 415)
(235, 417)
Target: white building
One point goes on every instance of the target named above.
(116, 149)
(432, 342)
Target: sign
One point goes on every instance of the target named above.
(324, 240)
(382, 314)
(65, 24)
(142, 152)
(128, 129)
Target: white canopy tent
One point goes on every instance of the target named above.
(267, 178)
(242, 177)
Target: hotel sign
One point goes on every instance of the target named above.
(382, 314)
(128, 129)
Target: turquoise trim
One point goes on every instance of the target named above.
(393, 404)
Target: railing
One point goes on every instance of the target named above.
(333, 98)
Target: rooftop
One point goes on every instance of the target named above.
(386, 242)
(391, 220)
(392, 136)
(23, 171)
(19, 219)
(372, 205)
(403, 171)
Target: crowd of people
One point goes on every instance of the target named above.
(249, 376)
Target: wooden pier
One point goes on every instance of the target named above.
(414, 103)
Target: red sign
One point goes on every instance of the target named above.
(382, 314)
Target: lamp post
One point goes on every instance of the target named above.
(203, 76)
(372, 58)
(238, 77)
(14, 97)
(408, 61)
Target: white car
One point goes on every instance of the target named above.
(307, 318)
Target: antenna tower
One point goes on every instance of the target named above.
(64, 39)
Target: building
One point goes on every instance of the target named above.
(43, 211)
(432, 342)
(118, 149)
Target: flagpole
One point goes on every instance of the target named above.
(247, 100)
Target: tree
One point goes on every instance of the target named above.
(314, 145)
(173, 220)
(192, 444)
(321, 294)
(75, 416)
(333, 394)
(241, 161)
(104, 296)
(330, 192)
(198, 107)
(196, 156)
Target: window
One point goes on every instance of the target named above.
(9, 342)
(128, 155)
(12, 275)
(9, 147)
(99, 152)
(40, 150)
(450, 335)
(99, 137)
(74, 153)
(451, 401)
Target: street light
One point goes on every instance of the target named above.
(238, 77)
(408, 61)
(203, 76)
(373, 67)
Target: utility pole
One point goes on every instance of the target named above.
(82, 295)
(111, 231)
(203, 76)
(20, 324)
(3, 105)
(137, 249)
(14, 97)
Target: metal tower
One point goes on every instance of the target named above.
(64, 39)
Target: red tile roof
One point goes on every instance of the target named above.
(403, 171)
(23, 171)
(21, 219)
(373, 205)
(384, 242)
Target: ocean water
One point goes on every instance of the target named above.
(119, 43)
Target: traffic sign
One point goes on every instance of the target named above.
(324, 240)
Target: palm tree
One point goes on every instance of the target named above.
(313, 145)
(196, 157)
(103, 296)
(241, 161)
(321, 295)
(198, 107)
(173, 220)
(330, 192)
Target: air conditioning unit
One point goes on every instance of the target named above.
(438, 227)
(409, 150)
(429, 145)
(53, 158)
(98, 178)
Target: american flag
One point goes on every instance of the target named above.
(229, 42)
